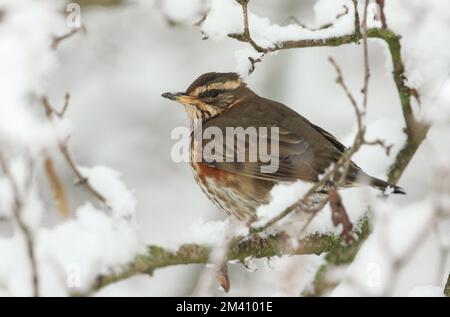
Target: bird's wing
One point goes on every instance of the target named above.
(341, 147)
(304, 152)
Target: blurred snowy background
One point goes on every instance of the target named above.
(115, 73)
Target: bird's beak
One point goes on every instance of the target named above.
(180, 97)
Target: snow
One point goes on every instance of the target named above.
(32, 209)
(401, 225)
(426, 48)
(71, 255)
(15, 274)
(443, 232)
(182, 11)
(283, 195)
(426, 291)
(326, 10)
(107, 182)
(211, 233)
(93, 243)
(225, 17)
(25, 38)
(439, 111)
(243, 64)
(395, 229)
(356, 202)
(373, 159)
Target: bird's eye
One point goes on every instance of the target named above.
(210, 93)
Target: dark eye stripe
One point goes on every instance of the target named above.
(210, 93)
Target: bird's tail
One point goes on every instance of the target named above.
(382, 185)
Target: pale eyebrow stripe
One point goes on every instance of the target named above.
(227, 85)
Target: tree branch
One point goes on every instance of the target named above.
(240, 249)
(416, 131)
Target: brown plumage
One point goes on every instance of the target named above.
(221, 100)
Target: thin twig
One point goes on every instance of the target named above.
(23, 227)
(253, 62)
(58, 39)
(366, 57)
(340, 81)
(246, 34)
(80, 179)
(382, 15)
(321, 27)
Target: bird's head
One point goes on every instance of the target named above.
(210, 95)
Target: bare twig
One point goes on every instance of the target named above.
(340, 81)
(49, 110)
(246, 34)
(23, 227)
(382, 15)
(366, 57)
(202, 18)
(80, 179)
(339, 214)
(321, 27)
(58, 39)
(254, 61)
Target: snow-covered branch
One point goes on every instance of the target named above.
(240, 249)
(416, 131)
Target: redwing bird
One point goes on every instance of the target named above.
(305, 151)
